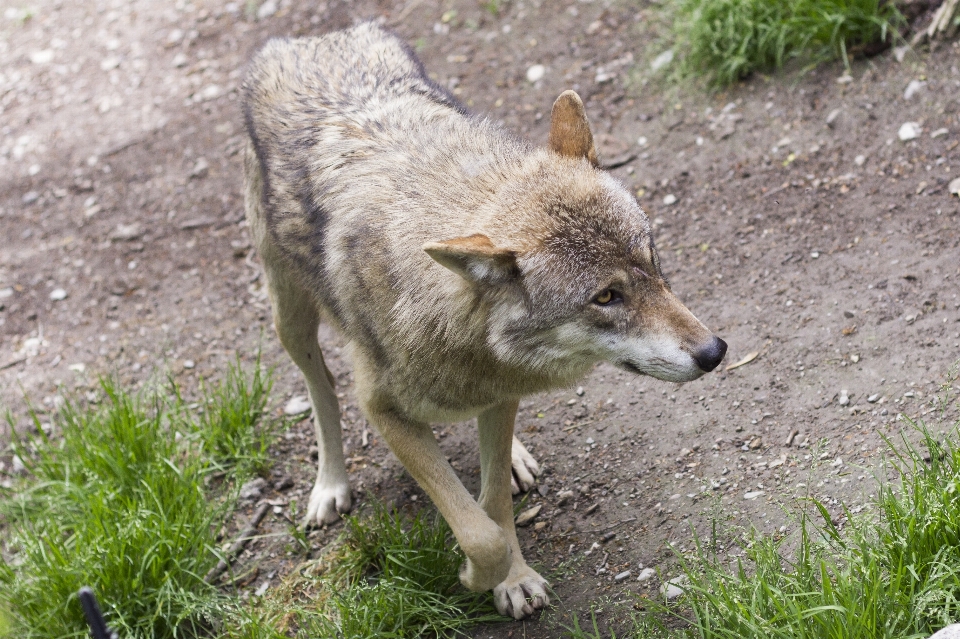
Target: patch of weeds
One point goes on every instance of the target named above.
(390, 575)
(727, 40)
(121, 501)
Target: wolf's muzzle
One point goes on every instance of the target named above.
(710, 356)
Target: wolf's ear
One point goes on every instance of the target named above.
(475, 258)
(570, 134)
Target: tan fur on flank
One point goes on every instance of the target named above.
(463, 268)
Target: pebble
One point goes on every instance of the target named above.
(939, 133)
(846, 78)
(844, 398)
(909, 131)
(6, 292)
(30, 197)
(753, 494)
(253, 488)
(954, 187)
(646, 575)
(527, 516)
(873, 399)
(623, 575)
(564, 496)
(662, 60)
(669, 199)
(200, 169)
(912, 88)
(608, 536)
(109, 63)
(189, 363)
(950, 632)
(180, 60)
(266, 9)
(580, 391)
(127, 232)
(832, 117)
(673, 588)
(860, 160)
(19, 468)
(297, 405)
(58, 295)
(42, 57)
(536, 73)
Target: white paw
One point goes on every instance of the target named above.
(525, 468)
(327, 503)
(522, 593)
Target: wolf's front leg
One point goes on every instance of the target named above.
(483, 541)
(523, 591)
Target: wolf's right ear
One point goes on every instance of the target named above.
(475, 259)
(570, 134)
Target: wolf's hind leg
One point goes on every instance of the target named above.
(525, 468)
(523, 591)
(296, 320)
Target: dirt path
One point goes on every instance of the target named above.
(802, 229)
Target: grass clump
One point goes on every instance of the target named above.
(397, 576)
(124, 501)
(727, 40)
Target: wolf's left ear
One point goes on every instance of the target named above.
(570, 134)
(475, 258)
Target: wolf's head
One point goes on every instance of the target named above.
(571, 272)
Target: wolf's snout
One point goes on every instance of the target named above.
(710, 356)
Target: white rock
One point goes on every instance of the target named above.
(180, 60)
(175, 36)
(913, 88)
(266, 10)
(646, 575)
(524, 518)
(844, 398)
(832, 117)
(950, 632)
(208, 92)
(109, 63)
(58, 294)
(846, 78)
(753, 494)
(200, 169)
(900, 52)
(873, 399)
(669, 199)
(662, 60)
(253, 488)
(536, 72)
(860, 160)
(623, 575)
(78, 368)
(42, 57)
(297, 405)
(6, 292)
(642, 141)
(673, 588)
(939, 133)
(909, 131)
(18, 466)
(954, 186)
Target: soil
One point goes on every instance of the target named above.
(803, 229)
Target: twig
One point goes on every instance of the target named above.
(245, 535)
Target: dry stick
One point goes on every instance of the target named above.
(245, 535)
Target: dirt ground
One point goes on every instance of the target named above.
(802, 229)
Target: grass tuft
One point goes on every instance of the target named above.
(121, 501)
(727, 40)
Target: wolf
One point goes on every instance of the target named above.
(464, 268)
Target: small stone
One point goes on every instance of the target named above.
(832, 117)
(954, 187)
(19, 468)
(127, 232)
(848, 314)
(174, 37)
(109, 63)
(590, 440)
(846, 78)
(580, 391)
(540, 525)
(6, 292)
(564, 496)
(672, 589)
(669, 199)
(642, 141)
(854, 358)
(58, 295)
(753, 494)
(815, 254)
(42, 57)
(208, 92)
(266, 10)
(189, 363)
(623, 575)
(180, 60)
(662, 60)
(608, 536)
(200, 169)
(844, 398)
(909, 131)
(860, 160)
(253, 488)
(899, 53)
(756, 443)
(912, 88)
(592, 509)
(939, 133)
(297, 405)
(536, 72)
(30, 197)
(873, 399)
(527, 516)
(283, 484)
(646, 575)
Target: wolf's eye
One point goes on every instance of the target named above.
(607, 296)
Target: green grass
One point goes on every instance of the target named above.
(727, 40)
(892, 572)
(128, 498)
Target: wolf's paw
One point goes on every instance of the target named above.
(327, 503)
(522, 593)
(525, 468)
(490, 567)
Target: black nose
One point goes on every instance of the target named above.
(710, 356)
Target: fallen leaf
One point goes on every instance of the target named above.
(749, 357)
